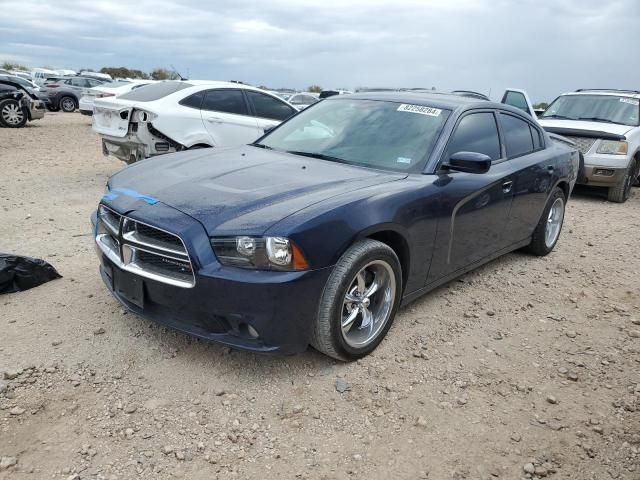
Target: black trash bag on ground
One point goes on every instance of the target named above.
(22, 273)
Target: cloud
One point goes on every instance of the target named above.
(543, 46)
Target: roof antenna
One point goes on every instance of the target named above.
(178, 73)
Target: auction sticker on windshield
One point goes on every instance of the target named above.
(630, 100)
(432, 112)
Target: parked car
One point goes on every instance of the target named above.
(318, 231)
(605, 125)
(331, 93)
(178, 115)
(65, 93)
(111, 89)
(17, 105)
(28, 85)
(303, 100)
(38, 75)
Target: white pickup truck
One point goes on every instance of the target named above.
(605, 126)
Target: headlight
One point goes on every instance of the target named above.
(141, 116)
(260, 253)
(613, 147)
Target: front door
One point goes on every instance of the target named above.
(475, 207)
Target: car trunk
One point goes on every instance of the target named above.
(112, 118)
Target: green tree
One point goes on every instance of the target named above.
(541, 105)
(314, 88)
(13, 66)
(163, 74)
(124, 72)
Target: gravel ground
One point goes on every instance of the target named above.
(525, 368)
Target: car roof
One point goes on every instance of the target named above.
(446, 101)
(606, 91)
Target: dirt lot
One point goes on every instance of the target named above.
(526, 365)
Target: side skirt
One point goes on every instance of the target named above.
(441, 281)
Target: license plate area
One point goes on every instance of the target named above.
(129, 287)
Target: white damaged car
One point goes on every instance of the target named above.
(178, 115)
(112, 89)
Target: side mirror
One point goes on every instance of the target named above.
(469, 162)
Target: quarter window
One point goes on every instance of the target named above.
(269, 107)
(476, 132)
(517, 135)
(228, 101)
(193, 101)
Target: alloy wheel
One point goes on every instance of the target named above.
(554, 222)
(12, 114)
(368, 304)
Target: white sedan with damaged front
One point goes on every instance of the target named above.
(179, 115)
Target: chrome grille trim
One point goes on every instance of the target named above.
(584, 144)
(143, 249)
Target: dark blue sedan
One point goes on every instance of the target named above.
(319, 231)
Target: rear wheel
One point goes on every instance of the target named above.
(67, 104)
(547, 232)
(12, 115)
(620, 193)
(359, 301)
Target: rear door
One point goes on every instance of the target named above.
(534, 172)
(226, 117)
(269, 111)
(475, 206)
(519, 99)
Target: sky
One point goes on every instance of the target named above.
(543, 46)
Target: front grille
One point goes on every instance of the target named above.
(583, 143)
(143, 249)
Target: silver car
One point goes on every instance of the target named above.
(65, 93)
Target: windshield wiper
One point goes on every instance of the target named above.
(320, 156)
(557, 116)
(596, 119)
(260, 145)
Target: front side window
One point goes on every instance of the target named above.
(478, 133)
(228, 101)
(517, 135)
(376, 134)
(269, 107)
(596, 108)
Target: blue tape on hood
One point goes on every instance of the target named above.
(116, 192)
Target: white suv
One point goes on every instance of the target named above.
(605, 126)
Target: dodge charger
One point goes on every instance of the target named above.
(316, 233)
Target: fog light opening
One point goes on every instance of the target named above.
(605, 172)
(248, 331)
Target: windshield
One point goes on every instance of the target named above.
(376, 134)
(155, 91)
(597, 108)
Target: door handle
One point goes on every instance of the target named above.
(214, 120)
(506, 186)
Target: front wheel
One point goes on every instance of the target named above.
(12, 114)
(547, 232)
(621, 192)
(67, 104)
(359, 301)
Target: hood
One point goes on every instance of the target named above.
(242, 190)
(591, 129)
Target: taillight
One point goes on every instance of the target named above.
(102, 95)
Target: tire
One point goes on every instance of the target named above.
(12, 115)
(375, 261)
(67, 104)
(621, 192)
(636, 182)
(543, 239)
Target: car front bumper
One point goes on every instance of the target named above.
(224, 301)
(37, 109)
(604, 170)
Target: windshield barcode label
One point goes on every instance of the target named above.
(432, 112)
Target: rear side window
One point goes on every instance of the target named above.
(228, 101)
(269, 107)
(193, 101)
(517, 135)
(155, 91)
(476, 132)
